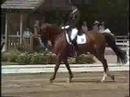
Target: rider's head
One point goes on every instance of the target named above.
(73, 7)
(102, 23)
(96, 22)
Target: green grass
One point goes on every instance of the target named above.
(9, 63)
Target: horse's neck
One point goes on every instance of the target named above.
(53, 38)
(54, 34)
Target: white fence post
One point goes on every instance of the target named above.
(123, 42)
(127, 53)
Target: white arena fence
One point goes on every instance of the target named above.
(123, 43)
(20, 69)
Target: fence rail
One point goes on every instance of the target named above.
(14, 42)
(50, 68)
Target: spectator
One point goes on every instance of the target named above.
(18, 33)
(84, 27)
(101, 27)
(27, 38)
(96, 26)
(27, 33)
(36, 27)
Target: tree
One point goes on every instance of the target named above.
(2, 1)
(114, 12)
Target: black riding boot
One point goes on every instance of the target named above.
(75, 47)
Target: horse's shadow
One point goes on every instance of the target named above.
(92, 81)
(84, 81)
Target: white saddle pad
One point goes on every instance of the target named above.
(81, 39)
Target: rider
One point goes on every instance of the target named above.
(84, 27)
(96, 26)
(74, 27)
(101, 27)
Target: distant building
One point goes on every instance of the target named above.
(17, 15)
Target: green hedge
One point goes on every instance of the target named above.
(85, 59)
(10, 56)
(41, 58)
(23, 58)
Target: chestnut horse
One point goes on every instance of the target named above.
(96, 43)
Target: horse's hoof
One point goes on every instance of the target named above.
(72, 76)
(69, 80)
(51, 80)
(113, 77)
(101, 81)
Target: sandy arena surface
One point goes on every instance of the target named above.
(83, 85)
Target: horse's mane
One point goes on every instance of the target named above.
(52, 26)
(45, 25)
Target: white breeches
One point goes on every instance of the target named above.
(74, 33)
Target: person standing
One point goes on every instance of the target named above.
(27, 35)
(102, 27)
(84, 27)
(96, 26)
(36, 27)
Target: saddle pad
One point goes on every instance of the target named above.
(81, 39)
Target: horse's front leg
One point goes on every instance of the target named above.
(56, 69)
(69, 70)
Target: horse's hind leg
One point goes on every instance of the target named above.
(105, 66)
(106, 70)
(68, 68)
(56, 69)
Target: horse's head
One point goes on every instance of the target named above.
(43, 30)
(49, 31)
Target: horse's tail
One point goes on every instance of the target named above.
(110, 39)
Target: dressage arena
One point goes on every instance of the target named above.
(83, 85)
(86, 83)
